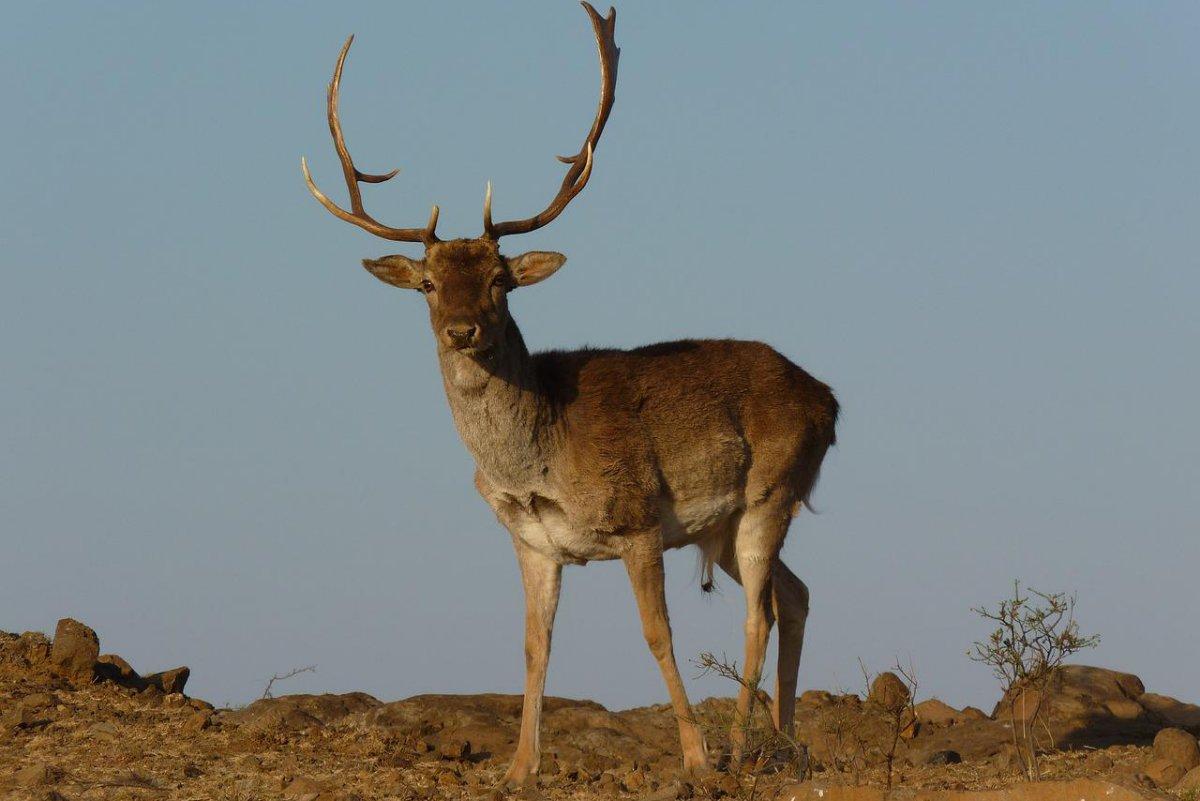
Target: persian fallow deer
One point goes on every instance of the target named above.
(613, 454)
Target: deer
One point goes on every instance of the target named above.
(606, 454)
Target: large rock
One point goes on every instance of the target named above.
(169, 681)
(74, 651)
(1087, 706)
(1172, 712)
(888, 691)
(1178, 747)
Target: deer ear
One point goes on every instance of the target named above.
(534, 266)
(396, 270)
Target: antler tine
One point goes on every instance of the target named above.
(577, 176)
(358, 215)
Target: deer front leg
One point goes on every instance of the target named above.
(644, 563)
(541, 577)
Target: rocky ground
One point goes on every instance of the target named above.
(76, 724)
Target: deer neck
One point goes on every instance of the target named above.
(501, 413)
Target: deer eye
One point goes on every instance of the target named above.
(427, 286)
(501, 280)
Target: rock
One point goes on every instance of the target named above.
(39, 701)
(303, 789)
(937, 713)
(24, 654)
(451, 747)
(1190, 781)
(888, 691)
(946, 757)
(1124, 708)
(1163, 772)
(973, 713)
(110, 667)
(170, 681)
(815, 698)
(38, 774)
(294, 712)
(1100, 762)
(74, 651)
(1178, 747)
(669, 792)
(1172, 712)
(634, 781)
(198, 723)
(1086, 706)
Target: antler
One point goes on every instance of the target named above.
(581, 163)
(358, 216)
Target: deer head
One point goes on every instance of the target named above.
(466, 281)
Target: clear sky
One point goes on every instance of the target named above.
(223, 444)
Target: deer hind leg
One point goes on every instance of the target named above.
(644, 563)
(756, 545)
(541, 577)
(790, 596)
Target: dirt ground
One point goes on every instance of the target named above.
(117, 735)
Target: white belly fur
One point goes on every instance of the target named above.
(683, 523)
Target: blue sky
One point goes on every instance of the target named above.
(223, 444)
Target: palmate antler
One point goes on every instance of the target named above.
(573, 183)
(358, 216)
(581, 163)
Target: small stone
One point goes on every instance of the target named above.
(38, 774)
(103, 728)
(455, 748)
(1177, 746)
(303, 789)
(669, 792)
(39, 701)
(634, 781)
(729, 785)
(1100, 762)
(198, 723)
(946, 757)
(174, 700)
(74, 651)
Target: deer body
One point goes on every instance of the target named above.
(575, 448)
(614, 454)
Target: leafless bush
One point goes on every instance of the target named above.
(1035, 633)
(284, 677)
(764, 743)
(897, 707)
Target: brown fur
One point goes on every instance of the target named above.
(620, 454)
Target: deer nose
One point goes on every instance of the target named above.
(462, 335)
